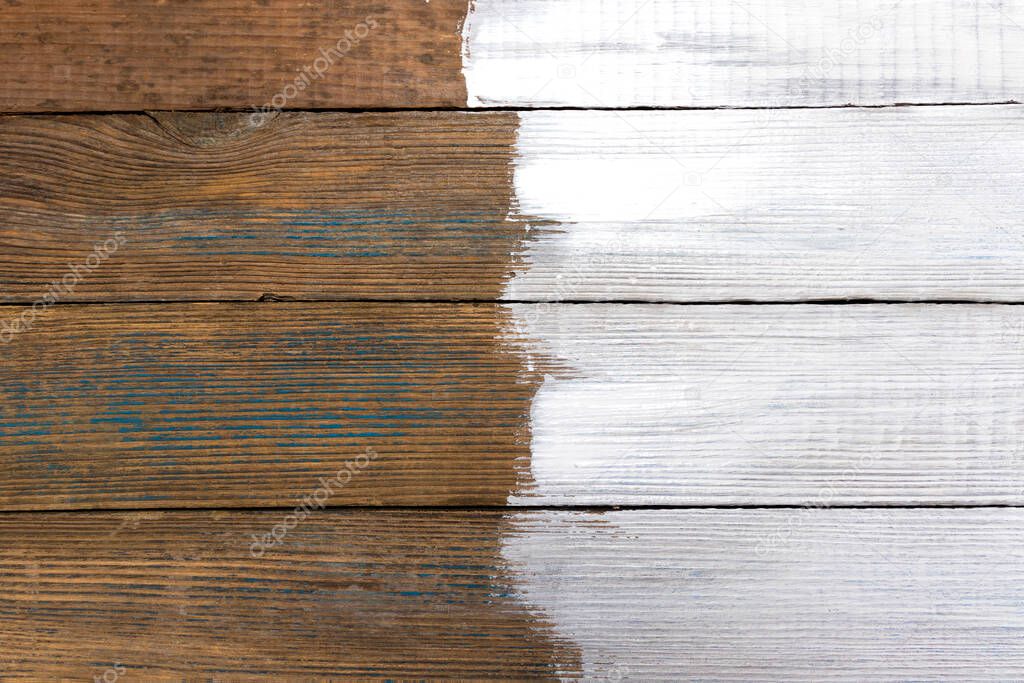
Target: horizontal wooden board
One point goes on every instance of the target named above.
(905, 203)
(201, 405)
(95, 55)
(915, 203)
(710, 405)
(103, 55)
(227, 405)
(210, 207)
(850, 595)
(765, 53)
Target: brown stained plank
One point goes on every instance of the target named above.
(210, 207)
(233, 404)
(90, 55)
(845, 595)
(172, 596)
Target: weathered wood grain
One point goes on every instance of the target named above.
(848, 595)
(173, 596)
(699, 53)
(211, 207)
(225, 405)
(88, 55)
(101, 55)
(905, 203)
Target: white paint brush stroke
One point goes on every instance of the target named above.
(898, 203)
(792, 404)
(854, 595)
(766, 53)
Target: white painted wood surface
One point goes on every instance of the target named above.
(763, 53)
(895, 203)
(793, 404)
(841, 595)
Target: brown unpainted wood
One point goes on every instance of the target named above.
(180, 596)
(96, 55)
(231, 405)
(649, 595)
(312, 206)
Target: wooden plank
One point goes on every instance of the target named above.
(228, 405)
(905, 203)
(709, 405)
(103, 55)
(311, 206)
(764, 53)
(99, 55)
(852, 595)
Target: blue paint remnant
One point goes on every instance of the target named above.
(343, 233)
(42, 431)
(149, 497)
(118, 419)
(207, 238)
(158, 407)
(459, 567)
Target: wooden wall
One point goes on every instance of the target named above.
(531, 339)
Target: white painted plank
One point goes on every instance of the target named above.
(794, 404)
(848, 595)
(765, 53)
(897, 203)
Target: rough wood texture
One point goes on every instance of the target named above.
(173, 596)
(766, 53)
(916, 203)
(310, 205)
(228, 405)
(845, 595)
(87, 55)
(321, 406)
(251, 404)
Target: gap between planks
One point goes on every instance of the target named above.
(508, 109)
(387, 509)
(270, 299)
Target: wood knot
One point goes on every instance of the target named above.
(207, 129)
